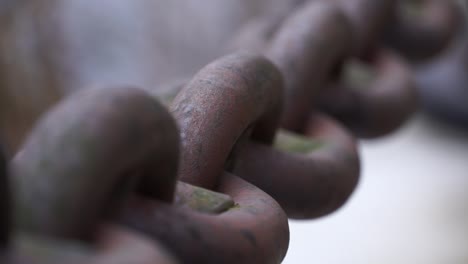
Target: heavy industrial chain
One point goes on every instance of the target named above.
(110, 175)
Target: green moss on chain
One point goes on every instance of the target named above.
(291, 142)
(202, 200)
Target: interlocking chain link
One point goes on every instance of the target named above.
(267, 133)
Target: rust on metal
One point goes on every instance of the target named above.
(310, 182)
(234, 97)
(81, 161)
(97, 180)
(255, 230)
(87, 149)
(236, 94)
(308, 47)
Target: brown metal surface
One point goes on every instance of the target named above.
(368, 18)
(96, 180)
(255, 230)
(87, 149)
(432, 25)
(308, 183)
(308, 45)
(383, 106)
(234, 95)
(308, 48)
(113, 245)
(78, 165)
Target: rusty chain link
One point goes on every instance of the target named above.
(267, 133)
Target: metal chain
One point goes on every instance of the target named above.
(267, 133)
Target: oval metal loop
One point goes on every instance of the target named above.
(254, 231)
(422, 36)
(381, 108)
(416, 38)
(368, 19)
(82, 158)
(308, 46)
(226, 99)
(235, 97)
(310, 181)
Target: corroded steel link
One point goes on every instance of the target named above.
(296, 49)
(117, 245)
(83, 156)
(384, 107)
(309, 48)
(310, 45)
(234, 97)
(255, 230)
(315, 19)
(380, 108)
(425, 34)
(229, 97)
(310, 181)
(107, 155)
(368, 18)
(78, 165)
(303, 156)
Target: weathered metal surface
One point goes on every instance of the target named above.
(308, 46)
(255, 230)
(368, 18)
(79, 164)
(307, 183)
(86, 153)
(114, 245)
(236, 94)
(381, 107)
(111, 155)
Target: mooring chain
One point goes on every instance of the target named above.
(355, 31)
(110, 175)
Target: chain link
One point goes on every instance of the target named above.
(267, 133)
